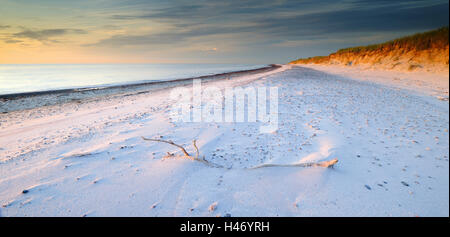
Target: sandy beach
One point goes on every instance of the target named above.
(86, 157)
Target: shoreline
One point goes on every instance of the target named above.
(117, 105)
(28, 100)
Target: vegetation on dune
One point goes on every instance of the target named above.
(435, 39)
(421, 41)
(316, 59)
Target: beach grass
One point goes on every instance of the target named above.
(434, 39)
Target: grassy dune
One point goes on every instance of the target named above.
(423, 51)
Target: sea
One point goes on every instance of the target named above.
(25, 78)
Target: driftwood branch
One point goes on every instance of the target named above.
(197, 153)
(325, 164)
(168, 142)
(186, 154)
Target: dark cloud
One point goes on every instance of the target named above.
(4, 26)
(284, 20)
(215, 11)
(253, 10)
(12, 41)
(47, 34)
(171, 37)
(357, 20)
(175, 12)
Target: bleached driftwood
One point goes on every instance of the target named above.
(183, 150)
(169, 142)
(197, 153)
(325, 164)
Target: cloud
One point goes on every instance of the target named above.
(4, 26)
(11, 41)
(170, 37)
(47, 34)
(273, 22)
(358, 19)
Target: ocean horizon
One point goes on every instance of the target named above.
(28, 78)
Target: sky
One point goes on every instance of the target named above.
(236, 31)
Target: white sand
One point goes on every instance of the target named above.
(391, 139)
(434, 83)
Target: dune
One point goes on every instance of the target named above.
(423, 52)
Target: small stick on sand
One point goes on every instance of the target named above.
(171, 143)
(325, 164)
(186, 154)
(197, 153)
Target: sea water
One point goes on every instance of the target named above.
(21, 78)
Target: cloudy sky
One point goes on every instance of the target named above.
(238, 31)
